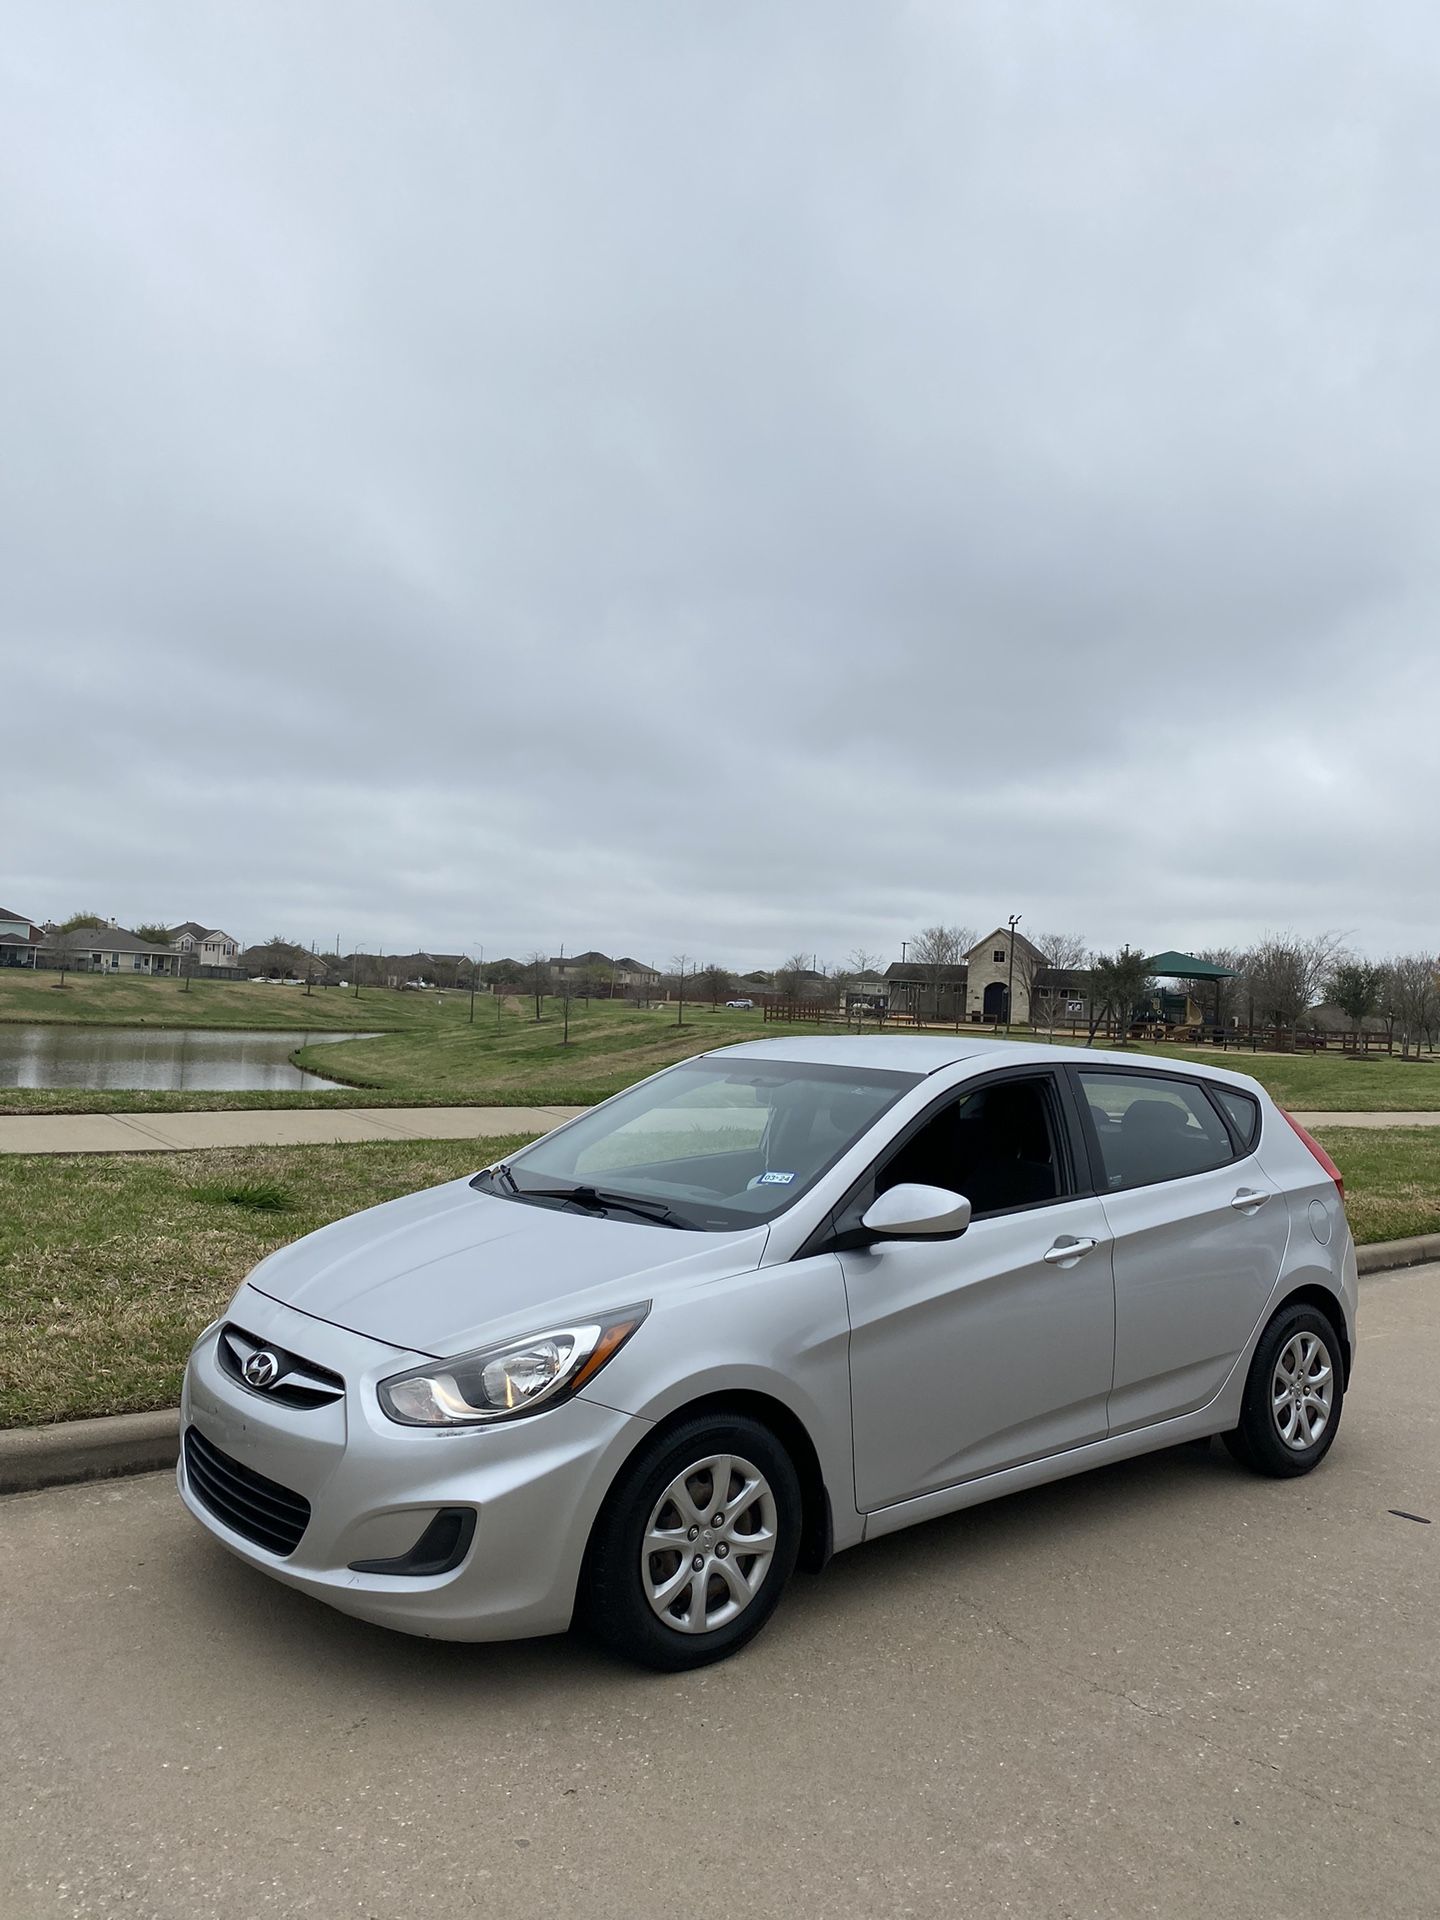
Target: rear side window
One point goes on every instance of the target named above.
(1151, 1129)
(1244, 1113)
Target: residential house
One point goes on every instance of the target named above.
(207, 950)
(569, 969)
(109, 949)
(20, 940)
(633, 975)
(621, 976)
(868, 991)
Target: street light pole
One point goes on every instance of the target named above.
(1015, 920)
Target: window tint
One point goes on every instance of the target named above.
(1244, 1112)
(998, 1145)
(1151, 1129)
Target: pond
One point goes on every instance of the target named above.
(191, 1059)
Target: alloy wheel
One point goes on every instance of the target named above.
(1302, 1391)
(709, 1544)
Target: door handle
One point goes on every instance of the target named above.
(1248, 1200)
(1067, 1250)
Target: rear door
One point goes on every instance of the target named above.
(1199, 1230)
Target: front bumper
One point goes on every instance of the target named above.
(535, 1485)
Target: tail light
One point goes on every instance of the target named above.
(1319, 1152)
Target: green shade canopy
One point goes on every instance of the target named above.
(1184, 966)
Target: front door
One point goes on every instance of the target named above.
(978, 1353)
(1200, 1235)
(997, 1001)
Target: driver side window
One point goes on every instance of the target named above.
(1000, 1144)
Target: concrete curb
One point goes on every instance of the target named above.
(1384, 1255)
(123, 1443)
(120, 1443)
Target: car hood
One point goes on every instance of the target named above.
(451, 1268)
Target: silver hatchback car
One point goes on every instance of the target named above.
(771, 1303)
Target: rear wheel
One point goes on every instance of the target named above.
(1293, 1396)
(694, 1546)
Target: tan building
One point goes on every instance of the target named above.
(978, 989)
(990, 977)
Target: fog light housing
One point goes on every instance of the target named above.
(440, 1548)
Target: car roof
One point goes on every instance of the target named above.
(928, 1053)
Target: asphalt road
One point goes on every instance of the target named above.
(1167, 1688)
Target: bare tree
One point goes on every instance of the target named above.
(1413, 999)
(936, 951)
(681, 964)
(789, 977)
(1063, 953)
(1227, 997)
(1285, 975)
(1047, 953)
(860, 961)
(537, 978)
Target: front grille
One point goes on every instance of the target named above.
(299, 1383)
(260, 1510)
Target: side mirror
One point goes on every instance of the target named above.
(916, 1212)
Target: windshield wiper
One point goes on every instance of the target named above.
(601, 1200)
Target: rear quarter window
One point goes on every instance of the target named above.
(1243, 1112)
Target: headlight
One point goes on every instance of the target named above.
(508, 1381)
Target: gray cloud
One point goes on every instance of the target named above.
(725, 479)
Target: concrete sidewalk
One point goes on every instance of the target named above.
(265, 1127)
(324, 1126)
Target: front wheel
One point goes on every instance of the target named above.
(693, 1548)
(1293, 1396)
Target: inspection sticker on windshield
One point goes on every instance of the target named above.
(775, 1179)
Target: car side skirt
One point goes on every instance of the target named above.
(1218, 1417)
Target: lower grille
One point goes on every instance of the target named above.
(260, 1510)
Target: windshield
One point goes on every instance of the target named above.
(712, 1144)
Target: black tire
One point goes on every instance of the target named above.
(613, 1607)
(1257, 1442)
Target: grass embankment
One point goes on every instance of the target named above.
(427, 1051)
(109, 1266)
(113, 1000)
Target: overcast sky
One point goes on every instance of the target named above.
(723, 478)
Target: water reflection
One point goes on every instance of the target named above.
(180, 1059)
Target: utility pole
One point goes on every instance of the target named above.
(1015, 920)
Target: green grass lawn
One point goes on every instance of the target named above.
(1392, 1179)
(111, 1264)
